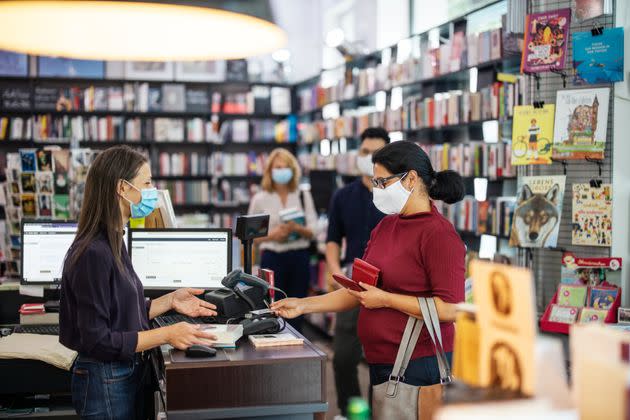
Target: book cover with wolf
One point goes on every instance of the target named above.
(536, 220)
(592, 215)
(532, 135)
(581, 124)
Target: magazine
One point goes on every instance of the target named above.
(581, 123)
(536, 220)
(532, 135)
(546, 36)
(592, 215)
(598, 58)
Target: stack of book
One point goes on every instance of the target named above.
(460, 52)
(189, 192)
(442, 109)
(490, 217)
(17, 128)
(478, 159)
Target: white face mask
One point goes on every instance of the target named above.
(365, 165)
(392, 199)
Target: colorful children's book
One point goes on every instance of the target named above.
(546, 37)
(592, 315)
(536, 220)
(581, 123)
(532, 135)
(602, 297)
(572, 295)
(598, 58)
(590, 271)
(592, 215)
(563, 314)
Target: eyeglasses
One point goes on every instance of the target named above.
(380, 182)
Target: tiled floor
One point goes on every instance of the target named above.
(331, 396)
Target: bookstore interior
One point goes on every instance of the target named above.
(247, 177)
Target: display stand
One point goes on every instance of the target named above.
(561, 328)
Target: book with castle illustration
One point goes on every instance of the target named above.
(536, 220)
(592, 215)
(532, 135)
(581, 124)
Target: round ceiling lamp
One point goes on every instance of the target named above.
(139, 31)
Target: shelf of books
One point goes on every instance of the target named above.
(454, 95)
(208, 142)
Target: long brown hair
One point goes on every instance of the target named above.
(100, 210)
(280, 153)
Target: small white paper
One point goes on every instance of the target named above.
(33, 291)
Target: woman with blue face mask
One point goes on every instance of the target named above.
(285, 249)
(104, 315)
(419, 254)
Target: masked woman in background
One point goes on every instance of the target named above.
(285, 250)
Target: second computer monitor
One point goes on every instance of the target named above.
(174, 258)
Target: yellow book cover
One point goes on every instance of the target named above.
(532, 135)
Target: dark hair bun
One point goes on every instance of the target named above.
(448, 187)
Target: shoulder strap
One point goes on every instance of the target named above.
(301, 195)
(432, 321)
(405, 350)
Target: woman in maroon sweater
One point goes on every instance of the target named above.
(419, 254)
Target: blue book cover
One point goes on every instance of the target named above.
(598, 58)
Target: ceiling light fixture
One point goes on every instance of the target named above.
(140, 30)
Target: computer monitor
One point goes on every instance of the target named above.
(174, 258)
(44, 247)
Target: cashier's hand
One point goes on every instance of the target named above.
(288, 308)
(183, 335)
(372, 297)
(186, 302)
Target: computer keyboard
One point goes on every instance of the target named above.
(37, 329)
(166, 320)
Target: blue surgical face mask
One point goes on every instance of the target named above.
(282, 175)
(147, 203)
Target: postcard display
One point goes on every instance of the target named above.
(565, 135)
(42, 184)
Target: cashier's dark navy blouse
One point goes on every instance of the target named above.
(102, 309)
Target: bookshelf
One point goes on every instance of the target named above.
(218, 118)
(461, 75)
(382, 89)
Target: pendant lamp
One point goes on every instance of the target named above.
(140, 30)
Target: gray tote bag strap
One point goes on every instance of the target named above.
(405, 350)
(432, 321)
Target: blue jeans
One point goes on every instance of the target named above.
(420, 372)
(107, 390)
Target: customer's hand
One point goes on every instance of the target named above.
(185, 302)
(279, 233)
(372, 298)
(183, 335)
(288, 308)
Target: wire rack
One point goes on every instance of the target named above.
(546, 263)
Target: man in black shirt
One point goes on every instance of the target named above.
(352, 216)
